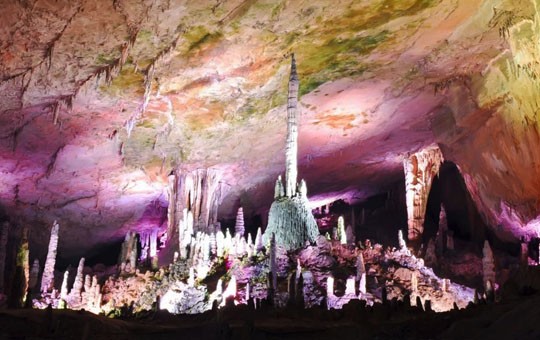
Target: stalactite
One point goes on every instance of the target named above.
(420, 169)
(239, 228)
(47, 280)
(4, 231)
(199, 191)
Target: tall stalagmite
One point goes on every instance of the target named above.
(47, 280)
(290, 218)
(78, 283)
(291, 148)
(420, 169)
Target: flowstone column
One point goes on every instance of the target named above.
(47, 280)
(420, 169)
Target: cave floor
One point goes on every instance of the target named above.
(509, 320)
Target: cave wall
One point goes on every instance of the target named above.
(491, 124)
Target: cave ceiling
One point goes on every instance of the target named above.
(100, 100)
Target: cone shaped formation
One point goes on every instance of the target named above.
(290, 218)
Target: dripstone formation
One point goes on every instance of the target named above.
(290, 218)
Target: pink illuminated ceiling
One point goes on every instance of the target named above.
(377, 82)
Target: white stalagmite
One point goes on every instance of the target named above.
(185, 233)
(362, 285)
(291, 148)
(230, 291)
(220, 243)
(47, 280)
(330, 286)
(4, 230)
(239, 227)
(420, 168)
(401, 241)
(79, 282)
(341, 230)
(191, 278)
(64, 288)
(350, 288)
(153, 242)
(258, 241)
(213, 244)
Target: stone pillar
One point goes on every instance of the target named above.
(239, 228)
(291, 148)
(47, 280)
(4, 230)
(420, 169)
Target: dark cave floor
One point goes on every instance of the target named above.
(516, 318)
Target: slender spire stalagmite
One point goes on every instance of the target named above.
(47, 280)
(291, 148)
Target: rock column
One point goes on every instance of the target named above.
(420, 169)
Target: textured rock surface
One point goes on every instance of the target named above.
(382, 78)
